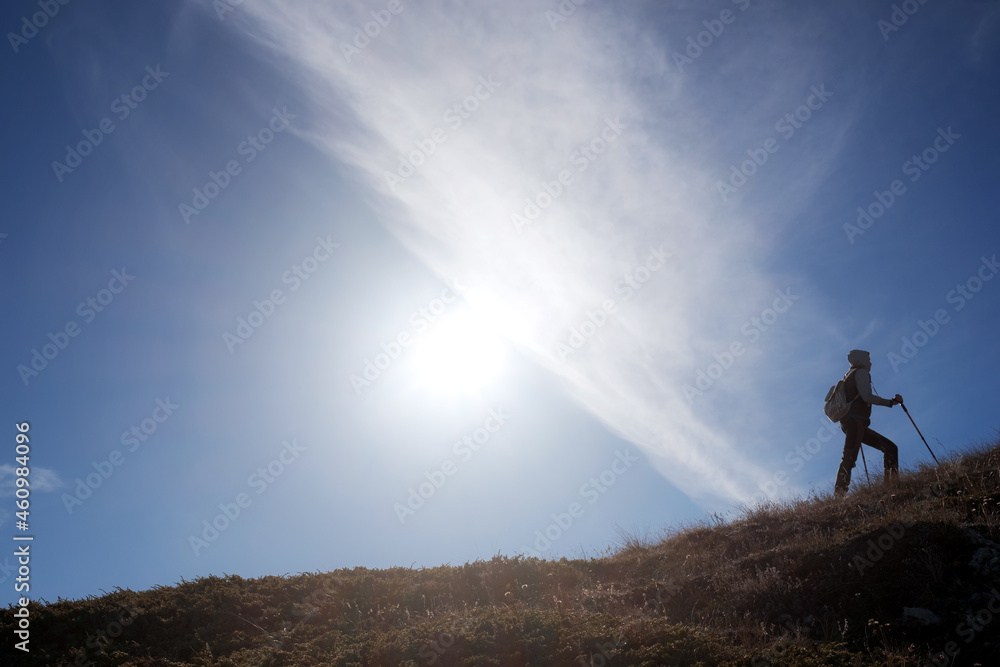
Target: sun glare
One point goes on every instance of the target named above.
(458, 354)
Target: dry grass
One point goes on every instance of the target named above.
(803, 583)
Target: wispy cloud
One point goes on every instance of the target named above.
(41, 479)
(554, 93)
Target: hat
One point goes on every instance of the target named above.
(859, 358)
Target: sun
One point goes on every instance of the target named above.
(458, 354)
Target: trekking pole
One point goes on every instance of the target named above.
(862, 450)
(919, 433)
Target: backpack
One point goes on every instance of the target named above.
(836, 406)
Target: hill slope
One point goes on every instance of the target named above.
(899, 576)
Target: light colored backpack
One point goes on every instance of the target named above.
(836, 406)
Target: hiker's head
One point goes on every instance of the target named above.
(859, 358)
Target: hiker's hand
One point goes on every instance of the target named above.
(898, 399)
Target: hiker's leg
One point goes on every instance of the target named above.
(890, 452)
(853, 430)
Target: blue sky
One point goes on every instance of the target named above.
(284, 296)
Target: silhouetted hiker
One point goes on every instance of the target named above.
(858, 383)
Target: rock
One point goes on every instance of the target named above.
(924, 616)
(986, 561)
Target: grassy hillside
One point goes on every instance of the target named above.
(818, 582)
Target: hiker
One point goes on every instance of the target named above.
(858, 384)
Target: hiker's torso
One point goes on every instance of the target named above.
(860, 408)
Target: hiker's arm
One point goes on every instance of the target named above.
(864, 381)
